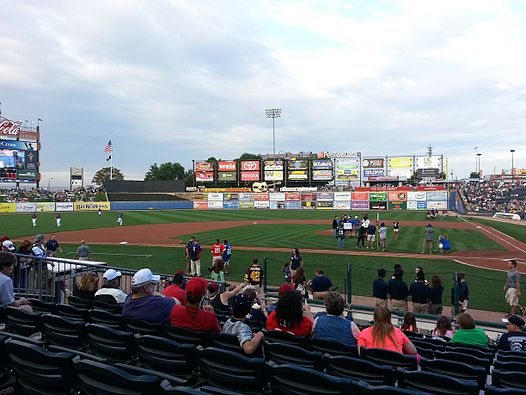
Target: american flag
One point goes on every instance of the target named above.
(108, 147)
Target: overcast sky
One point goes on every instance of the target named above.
(182, 80)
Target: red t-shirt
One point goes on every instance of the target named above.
(174, 291)
(303, 329)
(217, 249)
(195, 319)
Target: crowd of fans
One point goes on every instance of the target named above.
(494, 197)
(87, 194)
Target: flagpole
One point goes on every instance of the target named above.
(111, 162)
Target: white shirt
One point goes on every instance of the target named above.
(118, 294)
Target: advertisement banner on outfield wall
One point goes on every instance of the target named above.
(230, 196)
(277, 196)
(360, 205)
(246, 197)
(200, 196)
(26, 207)
(293, 205)
(227, 176)
(201, 204)
(47, 206)
(395, 196)
(322, 175)
(417, 196)
(341, 196)
(293, 196)
(249, 165)
(377, 196)
(342, 205)
(347, 170)
(250, 176)
(215, 204)
(298, 175)
(92, 206)
(273, 175)
(261, 204)
(261, 197)
(227, 166)
(367, 173)
(436, 196)
(434, 205)
(7, 207)
(246, 204)
(400, 166)
(308, 205)
(325, 196)
(397, 205)
(306, 197)
(217, 197)
(416, 205)
(360, 196)
(64, 206)
(230, 204)
(299, 164)
(324, 205)
(378, 205)
(273, 165)
(322, 164)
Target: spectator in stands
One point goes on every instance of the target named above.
(174, 290)
(143, 302)
(220, 300)
(86, 285)
(409, 324)
(241, 305)
(111, 287)
(384, 335)
(21, 276)
(512, 286)
(320, 285)
(429, 235)
(283, 289)
(8, 246)
(7, 295)
(398, 291)
(195, 315)
(419, 292)
(299, 282)
(380, 289)
(332, 326)
(435, 296)
(468, 334)
(515, 338)
(83, 252)
(296, 261)
(217, 270)
(443, 328)
(257, 316)
(463, 292)
(291, 315)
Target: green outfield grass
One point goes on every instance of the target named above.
(516, 231)
(485, 286)
(17, 225)
(306, 236)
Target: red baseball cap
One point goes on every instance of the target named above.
(284, 288)
(196, 286)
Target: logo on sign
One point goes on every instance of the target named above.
(226, 166)
(250, 165)
(373, 172)
(373, 162)
(9, 128)
(204, 166)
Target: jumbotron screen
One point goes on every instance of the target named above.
(11, 158)
(18, 165)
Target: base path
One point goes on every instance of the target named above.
(165, 235)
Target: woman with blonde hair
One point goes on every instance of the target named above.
(86, 284)
(383, 334)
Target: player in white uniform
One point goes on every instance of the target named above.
(34, 219)
(119, 219)
(58, 218)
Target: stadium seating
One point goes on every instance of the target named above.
(508, 379)
(71, 311)
(359, 369)
(110, 343)
(205, 390)
(465, 358)
(188, 336)
(284, 337)
(80, 303)
(435, 383)
(454, 369)
(487, 354)
(104, 317)
(386, 357)
(103, 304)
(143, 327)
(332, 347)
(512, 366)
(22, 322)
(63, 331)
(363, 388)
(229, 342)
(491, 390)
(39, 306)
(509, 356)
(282, 353)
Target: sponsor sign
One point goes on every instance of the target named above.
(249, 165)
(201, 204)
(431, 188)
(360, 205)
(215, 204)
(8, 128)
(261, 204)
(345, 154)
(373, 173)
(325, 196)
(228, 190)
(298, 164)
(91, 206)
(273, 165)
(246, 204)
(227, 166)
(277, 196)
(428, 173)
(324, 205)
(298, 175)
(227, 176)
(378, 205)
(230, 196)
(322, 175)
(436, 196)
(428, 162)
(32, 160)
(293, 205)
(230, 204)
(246, 197)
(261, 197)
(64, 206)
(376, 163)
(18, 145)
(397, 196)
(377, 196)
(250, 176)
(416, 205)
(400, 166)
(347, 170)
(204, 166)
(416, 196)
(309, 205)
(342, 196)
(308, 196)
(322, 164)
(340, 205)
(76, 171)
(397, 205)
(204, 176)
(200, 196)
(50, 206)
(292, 196)
(360, 196)
(26, 174)
(273, 175)
(26, 207)
(215, 197)
(7, 207)
(411, 204)
(432, 205)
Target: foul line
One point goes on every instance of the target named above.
(109, 254)
(478, 267)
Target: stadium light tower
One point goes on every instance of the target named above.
(512, 173)
(479, 171)
(273, 113)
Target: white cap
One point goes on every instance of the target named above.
(144, 276)
(9, 245)
(111, 274)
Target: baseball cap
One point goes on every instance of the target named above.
(111, 274)
(144, 276)
(213, 287)
(241, 305)
(9, 245)
(197, 286)
(515, 320)
(284, 288)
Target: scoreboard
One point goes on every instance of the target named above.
(18, 161)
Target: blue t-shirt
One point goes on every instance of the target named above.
(7, 294)
(320, 284)
(330, 327)
(194, 252)
(295, 262)
(446, 245)
(371, 229)
(227, 252)
(149, 308)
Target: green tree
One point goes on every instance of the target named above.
(249, 156)
(165, 172)
(189, 177)
(103, 175)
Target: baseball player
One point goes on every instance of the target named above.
(99, 212)
(58, 219)
(396, 229)
(217, 251)
(119, 219)
(34, 219)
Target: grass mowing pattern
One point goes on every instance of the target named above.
(516, 231)
(485, 285)
(305, 236)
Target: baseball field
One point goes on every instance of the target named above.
(156, 238)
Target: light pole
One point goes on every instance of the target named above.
(512, 173)
(476, 169)
(49, 183)
(479, 154)
(273, 113)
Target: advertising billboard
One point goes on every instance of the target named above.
(378, 205)
(293, 196)
(416, 195)
(91, 206)
(229, 166)
(273, 175)
(18, 161)
(324, 196)
(277, 196)
(204, 172)
(249, 165)
(342, 205)
(298, 164)
(250, 176)
(373, 163)
(368, 173)
(360, 196)
(342, 196)
(273, 170)
(322, 164)
(436, 195)
(226, 176)
(394, 196)
(401, 166)
(322, 175)
(273, 165)
(397, 205)
(215, 204)
(360, 205)
(347, 170)
(377, 196)
(324, 205)
(428, 162)
(298, 175)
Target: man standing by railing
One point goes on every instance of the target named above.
(83, 252)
